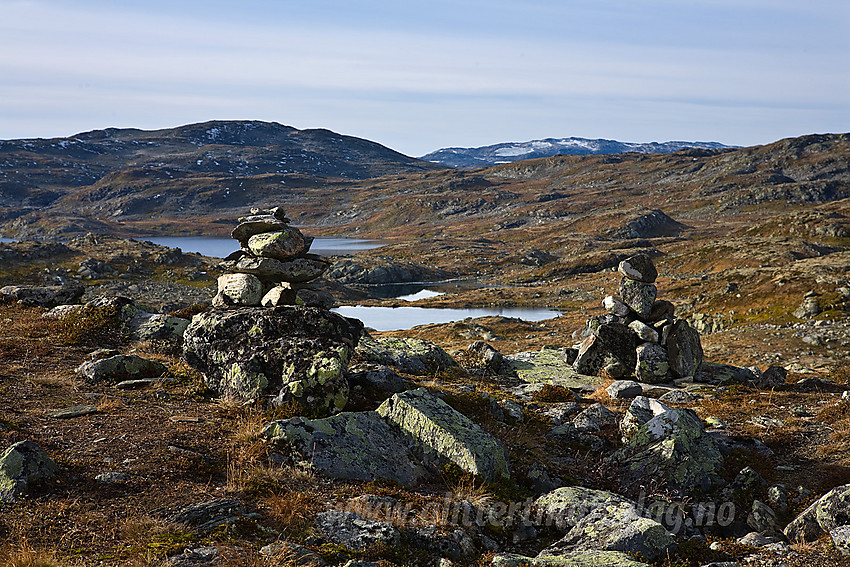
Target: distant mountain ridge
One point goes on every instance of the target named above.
(487, 156)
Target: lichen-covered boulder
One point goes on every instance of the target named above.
(22, 464)
(564, 507)
(684, 349)
(639, 268)
(611, 347)
(411, 356)
(616, 527)
(354, 532)
(158, 327)
(547, 366)
(673, 448)
(827, 513)
(238, 290)
(257, 224)
(639, 296)
(287, 353)
(281, 245)
(652, 365)
(624, 389)
(444, 434)
(120, 367)
(644, 332)
(349, 446)
(614, 305)
(641, 410)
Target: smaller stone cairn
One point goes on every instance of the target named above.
(639, 335)
(273, 266)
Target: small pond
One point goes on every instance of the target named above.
(7, 239)
(403, 318)
(221, 247)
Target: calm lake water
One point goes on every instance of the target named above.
(7, 239)
(403, 318)
(221, 247)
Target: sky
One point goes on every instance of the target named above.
(418, 76)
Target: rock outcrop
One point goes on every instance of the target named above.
(23, 464)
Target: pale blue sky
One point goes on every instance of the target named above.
(417, 76)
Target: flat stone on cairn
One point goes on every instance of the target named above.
(272, 265)
(639, 336)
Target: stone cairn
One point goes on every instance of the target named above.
(638, 335)
(273, 266)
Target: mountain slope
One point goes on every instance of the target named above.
(486, 156)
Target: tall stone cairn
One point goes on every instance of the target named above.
(273, 266)
(639, 335)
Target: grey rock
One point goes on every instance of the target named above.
(624, 389)
(763, 519)
(196, 557)
(641, 410)
(350, 530)
(610, 348)
(158, 327)
(547, 366)
(808, 309)
(684, 349)
(564, 507)
(714, 373)
(568, 559)
(256, 224)
(512, 410)
(562, 412)
(841, 539)
(283, 294)
(120, 367)
(283, 244)
(615, 306)
(136, 384)
(616, 527)
(350, 446)
(73, 411)
(644, 332)
(314, 298)
(289, 353)
(112, 477)
(492, 358)
(639, 296)
(595, 418)
(42, 296)
(777, 497)
(22, 465)
(678, 397)
(652, 366)
(238, 290)
(295, 270)
(639, 268)
(207, 516)
(411, 356)
(377, 376)
(756, 539)
(445, 433)
(773, 377)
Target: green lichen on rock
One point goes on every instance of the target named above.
(564, 507)
(575, 559)
(22, 464)
(280, 245)
(411, 356)
(120, 367)
(349, 445)
(547, 366)
(446, 434)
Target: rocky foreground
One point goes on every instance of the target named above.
(274, 432)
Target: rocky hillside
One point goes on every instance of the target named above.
(487, 156)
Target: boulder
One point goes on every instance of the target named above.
(616, 527)
(639, 268)
(639, 296)
(158, 327)
(289, 353)
(411, 356)
(773, 377)
(349, 446)
(624, 389)
(445, 434)
(611, 347)
(832, 510)
(547, 366)
(684, 349)
(490, 356)
(595, 418)
(614, 305)
(640, 411)
(350, 530)
(841, 539)
(314, 298)
(762, 518)
(283, 294)
(652, 364)
(568, 559)
(211, 514)
(21, 465)
(238, 290)
(714, 373)
(42, 296)
(377, 376)
(644, 332)
(120, 367)
(280, 245)
(564, 507)
(674, 449)
(808, 309)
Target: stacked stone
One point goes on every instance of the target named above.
(273, 266)
(639, 335)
